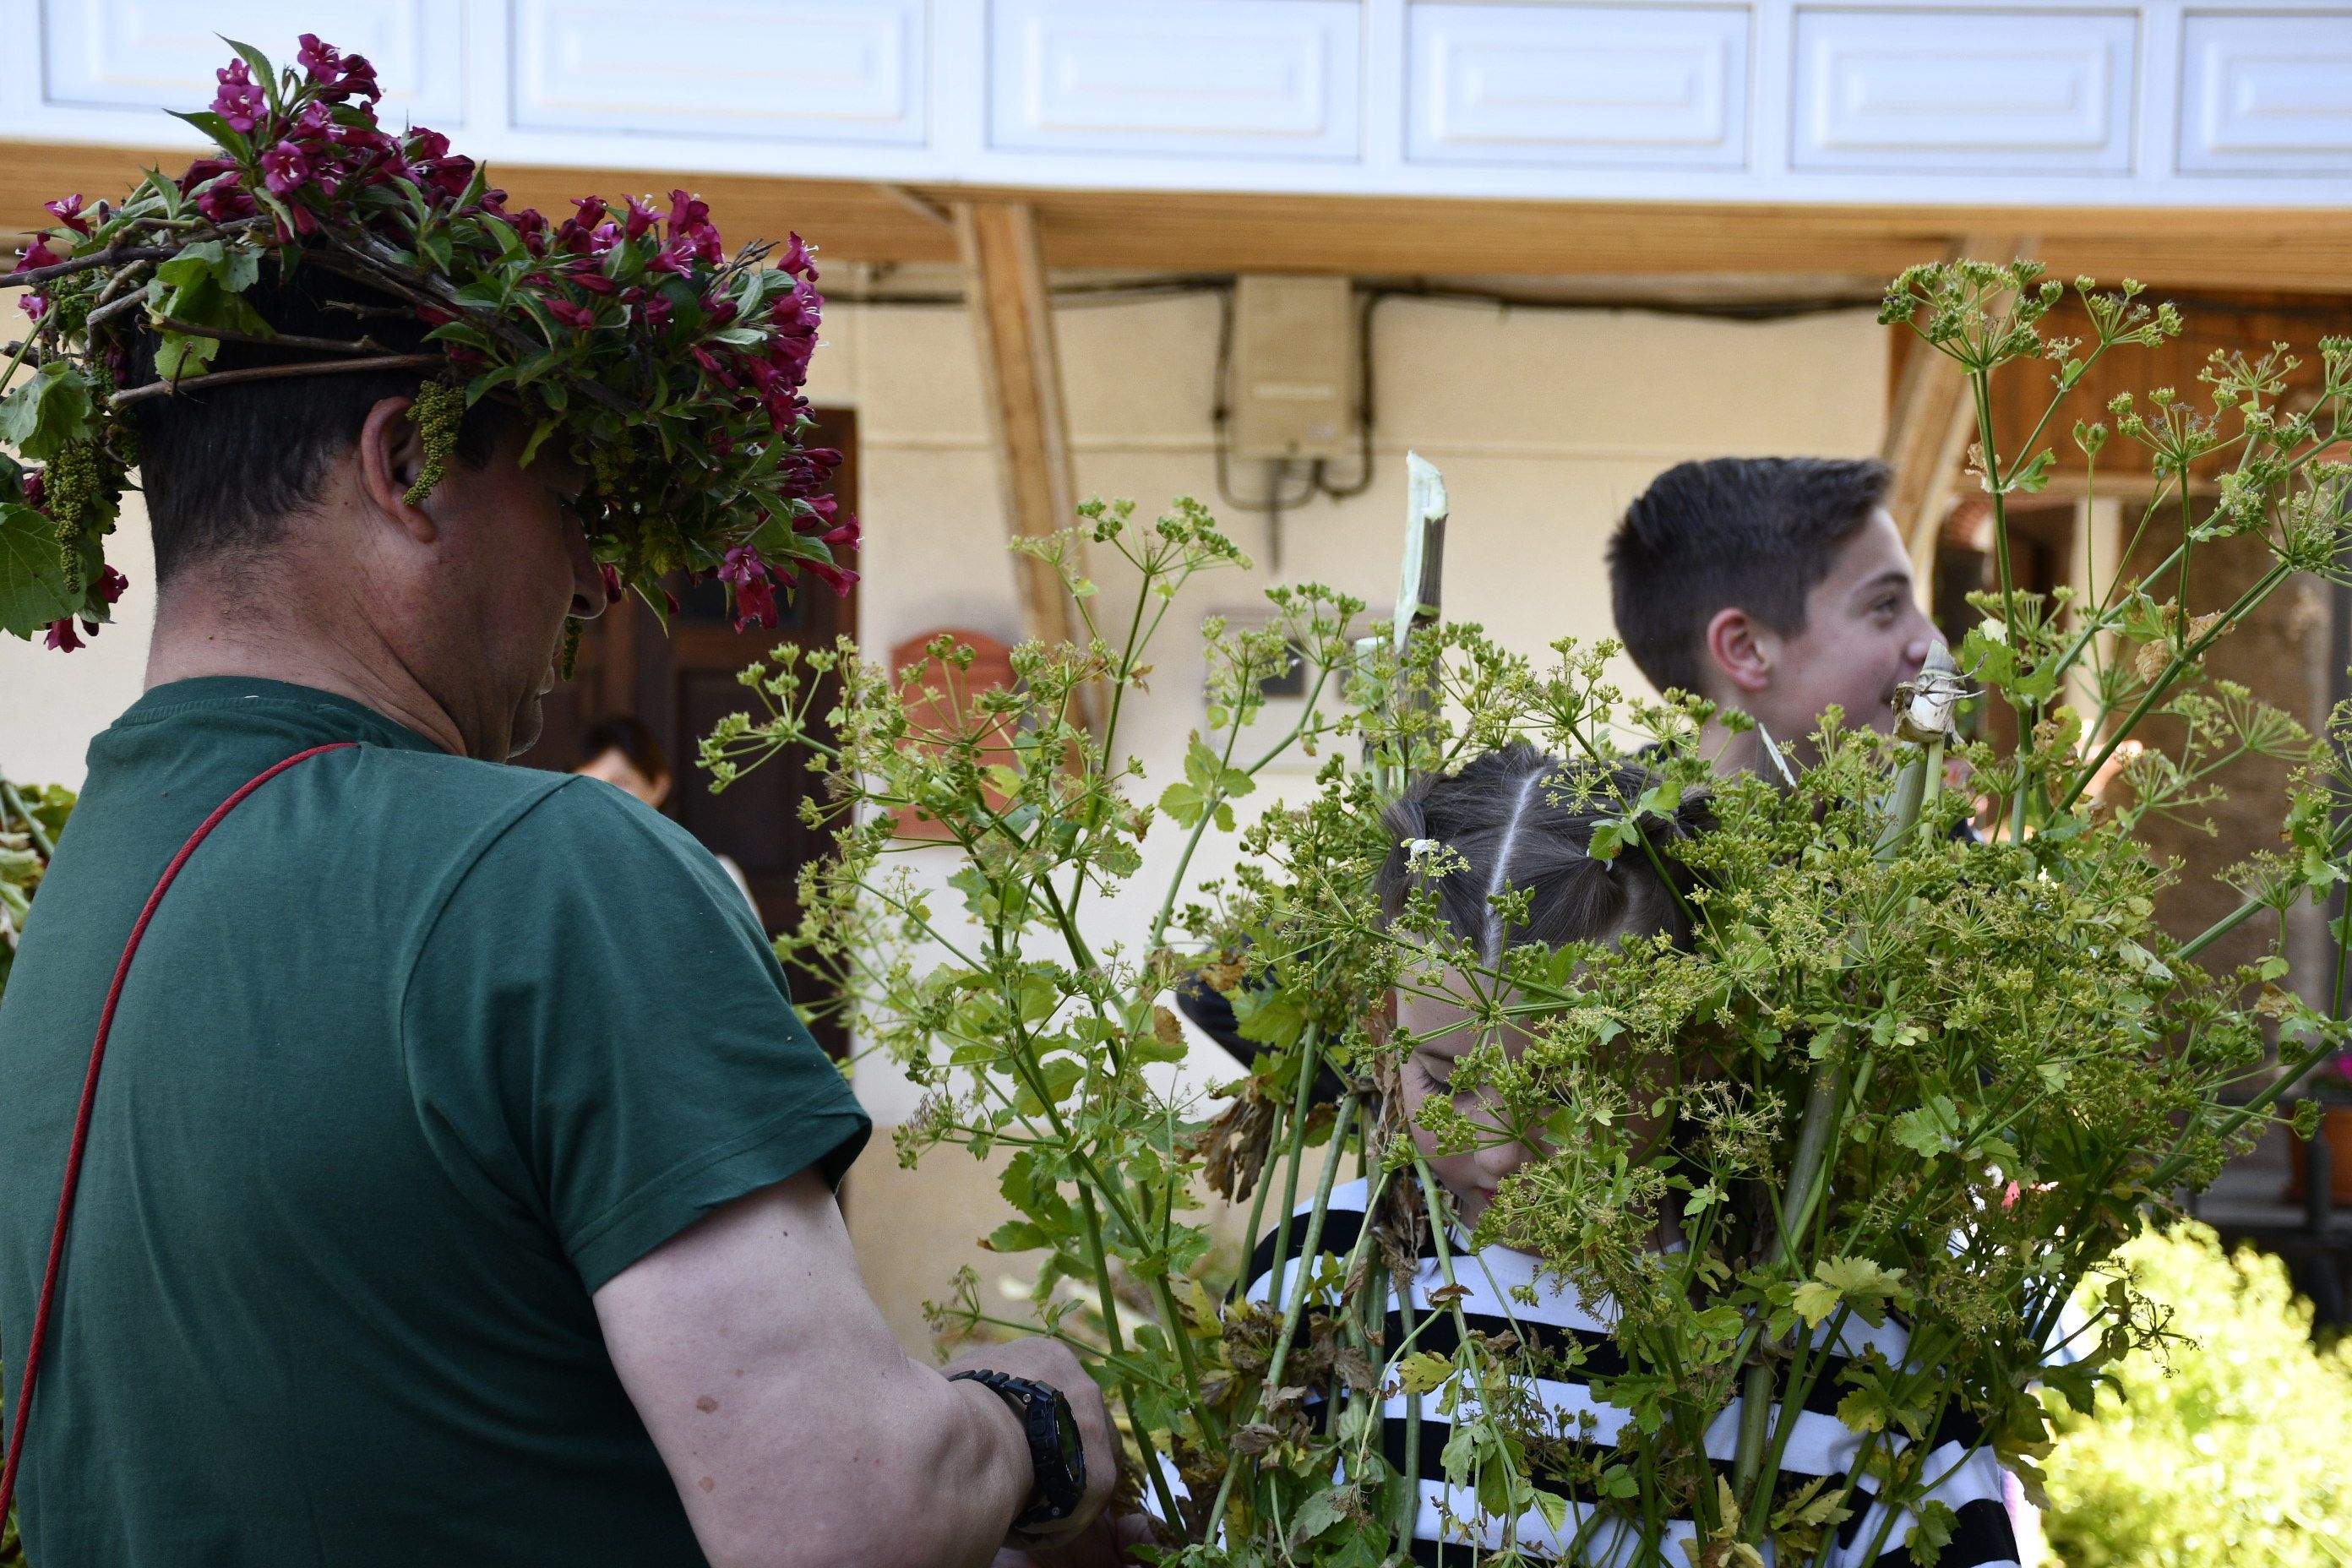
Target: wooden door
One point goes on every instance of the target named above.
(680, 683)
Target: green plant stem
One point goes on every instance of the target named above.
(2179, 665)
(1296, 1308)
(2338, 843)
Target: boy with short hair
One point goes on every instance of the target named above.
(1777, 586)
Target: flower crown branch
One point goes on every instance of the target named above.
(354, 346)
(278, 373)
(670, 371)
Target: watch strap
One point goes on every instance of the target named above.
(1057, 1483)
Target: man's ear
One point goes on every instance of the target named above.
(392, 453)
(1738, 650)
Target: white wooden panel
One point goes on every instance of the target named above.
(1218, 77)
(162, 54)
(821, 71)
(1583, 84)
(2266, 94)
(1964, 90)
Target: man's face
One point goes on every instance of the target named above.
(514, 560)
(1863, 636)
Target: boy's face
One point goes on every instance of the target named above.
(1864, 635)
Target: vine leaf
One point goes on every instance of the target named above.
(32, 572)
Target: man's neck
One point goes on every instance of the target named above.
(194, 637)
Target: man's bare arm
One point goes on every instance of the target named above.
(796, 1430)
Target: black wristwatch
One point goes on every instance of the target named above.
(1057, 1452)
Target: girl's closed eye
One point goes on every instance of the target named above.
(1437, 1070)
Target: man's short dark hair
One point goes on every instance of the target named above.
(222, 468)
(1752, 533)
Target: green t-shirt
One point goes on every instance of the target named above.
(417, 1053)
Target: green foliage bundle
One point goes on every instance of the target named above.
(2223, 1444)
(1894, 1076)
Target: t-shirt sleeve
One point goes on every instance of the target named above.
(600, 1040)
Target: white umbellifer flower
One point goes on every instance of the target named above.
(1414, 848)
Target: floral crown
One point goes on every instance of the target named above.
(672, 371)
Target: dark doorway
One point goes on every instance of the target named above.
(682, 682)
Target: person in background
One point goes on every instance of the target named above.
(623, 752)
(1777, 586)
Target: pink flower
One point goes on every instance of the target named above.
(656, 311)
(587, 276)
(675, 257)
(323, 61)
(424, 144)
(37, 254)
(34, 305)
(755, 590)
(838, 578)
(226, 198)
(572, 315)
(641, 217)
(359, 79)
(689, 220)
(796, 261)
(67, 210)
(314, 126)
(717, 313)
(612, 575)
(239, 102)
(33, 490)
(204, 169)
(449, 177)
(61, 634)
(592, 210)
(111, 584)
(285, 169)
(711, 366)
(686, 213)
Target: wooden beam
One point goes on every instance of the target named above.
(1930, 426)
(2299, 250)
(1020, 374)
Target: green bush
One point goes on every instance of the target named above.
(2233, 1445)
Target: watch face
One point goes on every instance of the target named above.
(1065, 1425)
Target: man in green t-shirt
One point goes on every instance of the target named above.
(459, 1180)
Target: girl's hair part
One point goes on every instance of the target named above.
(1521, 819)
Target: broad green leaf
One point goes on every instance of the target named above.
(1424, 1370)
(48, 412)
(32, 572)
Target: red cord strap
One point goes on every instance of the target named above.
(90, 1099)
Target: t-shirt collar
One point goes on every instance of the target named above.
(338, 718)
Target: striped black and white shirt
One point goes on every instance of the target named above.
(1968, 1483)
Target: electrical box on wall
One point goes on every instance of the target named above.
(1294, 377)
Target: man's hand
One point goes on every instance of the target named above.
(1109, 1542)
(1051, 1363)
